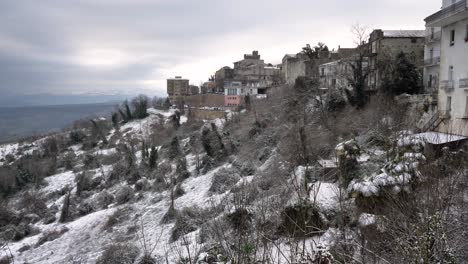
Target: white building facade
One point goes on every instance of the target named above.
(432, 60)
(453, 74)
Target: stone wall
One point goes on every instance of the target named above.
(206, 114)
(205, 100)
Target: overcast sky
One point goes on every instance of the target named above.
(132, 46)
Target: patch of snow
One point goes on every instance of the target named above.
(326, 195)
(59, 181)
(367, 219)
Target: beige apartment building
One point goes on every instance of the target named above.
(177, 88)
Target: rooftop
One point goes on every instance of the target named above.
(404, 33)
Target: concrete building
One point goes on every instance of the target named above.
(177, 88)
(453, 84)
(235, 91)
(432, 60)
(387, 44)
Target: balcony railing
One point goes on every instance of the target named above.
(446, 85)
(447, 12)
(433, 37)
(464, 83)
(432, 61)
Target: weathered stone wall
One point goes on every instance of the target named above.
(205, 114)
(205, 100)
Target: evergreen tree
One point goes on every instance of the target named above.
(404, 78)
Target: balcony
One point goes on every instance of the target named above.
(432, 61)
(464, 83)
(448, 15)
(446, 85)
(433, 37)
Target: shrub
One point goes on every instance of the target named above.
(302, 220)
(187, 220)
(103, 199)
(51, 236)
(69, 160)
(140, 106)
(33, 203)
(7, 181)
(16, 233)
(76, 137)
(118, 254)
(116, 218)
(124, 194)
(224, 180)
(142, 185)
(50, 147)
(240, 219)
(7, 216)
(90, 161)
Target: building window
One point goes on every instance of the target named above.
(452, 37)
(466, 107)
(448, 107)
(413, 40)
(432, 33)
(450, 74)
(466, 33)
(429, 84)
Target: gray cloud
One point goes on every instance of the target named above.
(131, 46)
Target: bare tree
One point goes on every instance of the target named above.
(360, 67)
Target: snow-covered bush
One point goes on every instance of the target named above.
(117, 217)
(124, 194)
(302, 220)
(119, 254)
(103, 199)
(347, 153)
(142, 185)
(224, 180)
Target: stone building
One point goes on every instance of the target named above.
(177, 88)
(453, 85)
(224, 74)
(253, 68)
(385, 45)
(300, 65)
(336, 74)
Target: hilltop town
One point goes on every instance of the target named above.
(346, 155)
(436, 52)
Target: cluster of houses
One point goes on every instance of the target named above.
(440, 52)
(227, 88)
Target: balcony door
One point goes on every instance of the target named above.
(448, 106)
(450, 74)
